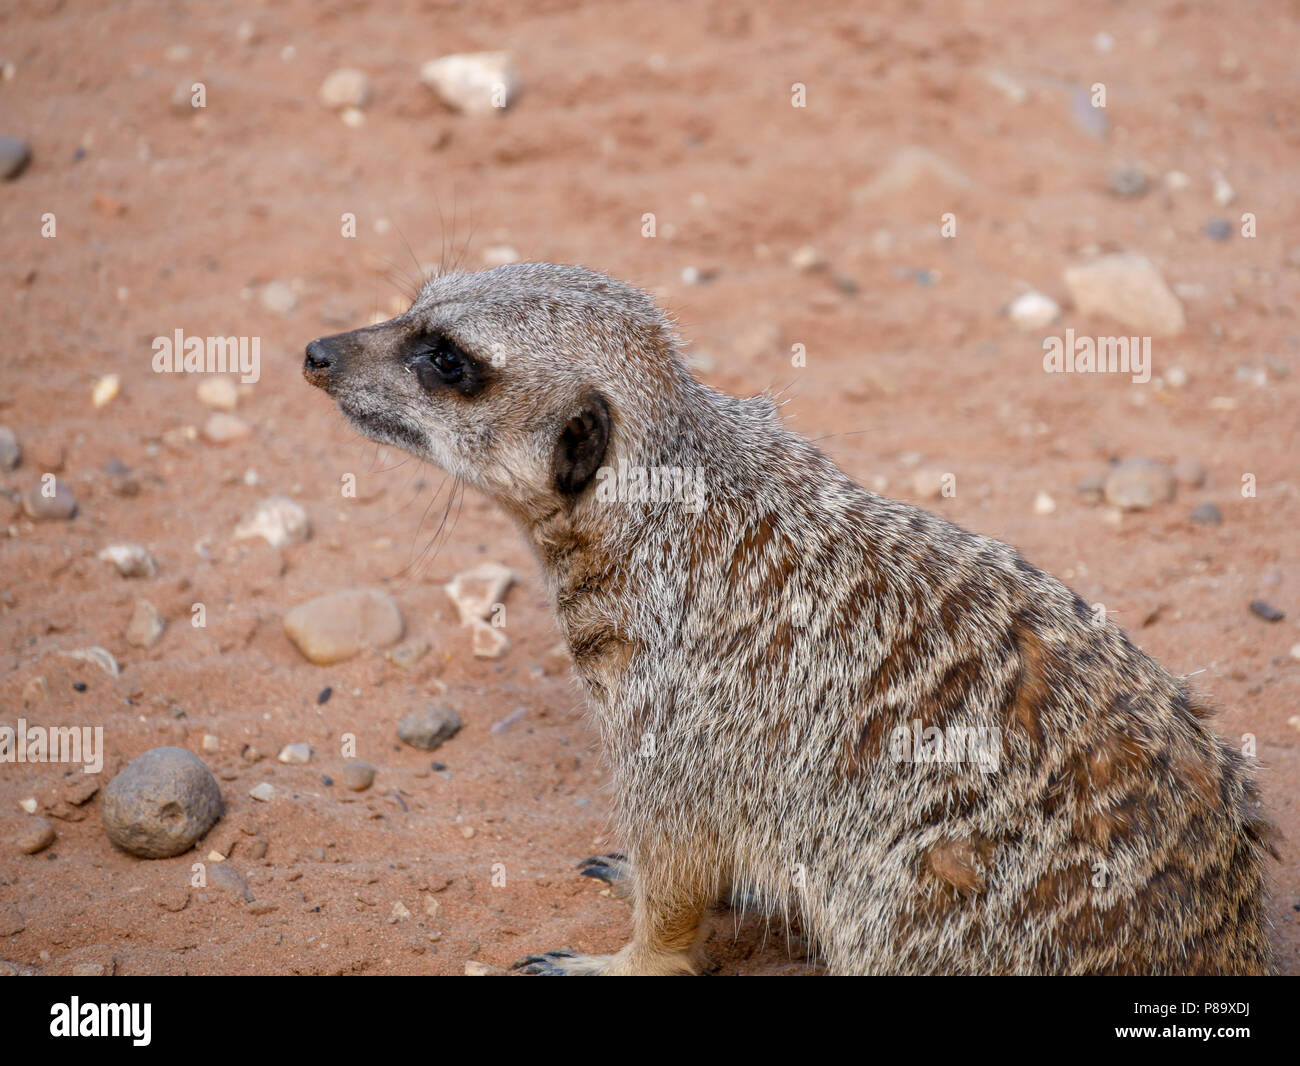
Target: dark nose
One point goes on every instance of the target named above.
(322, 362)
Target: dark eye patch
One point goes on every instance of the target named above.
(440, 364)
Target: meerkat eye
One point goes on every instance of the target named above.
(438, 361)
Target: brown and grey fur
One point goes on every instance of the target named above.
(770, 643)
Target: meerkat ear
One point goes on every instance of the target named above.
(581, 446)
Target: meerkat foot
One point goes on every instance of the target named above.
(614, 869)
(562, 963)
(629, 962)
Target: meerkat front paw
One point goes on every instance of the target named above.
(563, 963)
(614, 869)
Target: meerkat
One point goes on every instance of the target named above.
(931, 752)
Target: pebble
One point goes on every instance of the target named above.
(29, 804)
(489, 642)
(806, 259)
(469, 82)
(100, 657)
(1266, 611)
(499, 255)
(106, 390)
(1206, 514)
(36, 690)
(1128, 182)
(35, 834)
(345, 87)
(263, 793)
(1224, 193)
(1033, 311)
(60, 506)
(1044, 504)
(219, 393)
(1128, 288)
(1091, 120)
(430, 728)
(89, 969)
(10, 451)
(223, 876)
(295, 754)
(161, 804)
(406, 655)
(357, 775)
(279, 297)
(121, 482)
(475, 592)
(339, 625)
(1137, 484)
(928, 484)
(224, 428)
(146, 626)
(81, 789)
(1176, 377)
(1218, 229)
(1189, 472)
(501, 727)
(1092, 488)
(14, 157)
(278, 520)
(131, 560)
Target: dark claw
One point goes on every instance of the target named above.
(542, 965)
(603, 867)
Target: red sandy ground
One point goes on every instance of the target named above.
(705, 137)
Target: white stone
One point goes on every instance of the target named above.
(346, 87)
(1129, 289)
(295, 754)
(475, 592)
(131, 560)
(278, 520)
(1033, 311)
(476, 83)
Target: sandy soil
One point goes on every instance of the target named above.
(167, 222)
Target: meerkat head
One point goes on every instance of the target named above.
(522, 381)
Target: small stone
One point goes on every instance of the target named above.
(1092, 489)
(928, 484)
(1032, 311)
(106, 390)
(1189, 472)
(262, 906)
(81, 789)
(1218, 229)
(400, 911)
(131, 560)
(1128, 182)
(477, 592)
(504, 725)
(1138, 484)
(223, 876)
(1294, 721)
(474, 968)
(295, 754)
(88, 969)
(224, 428)
(218, 392)
(1224, 193)
(36, 690)
(1044, 504)
(100, 657)
(1295, 651)
(406, 655)
(323, 696)
(430, 728)
(1129, 289)
(499, 255)
(1266, 611)
(1206, 514)
(806, 259)
(161, 804)
(278, 520)
(1088, 118)
(10, 452)
(146, 626)
(56, 503)
(339, 625)
(475, 83)
(1176, 377)
(14, 157)
(489, 642)
(353, 117)
(29, 804)
(278, 297)
(357, 775)
(346, 87)
(263, 793)
(35, 834)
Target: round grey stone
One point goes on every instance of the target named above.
(161, 804)
(430, 728)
